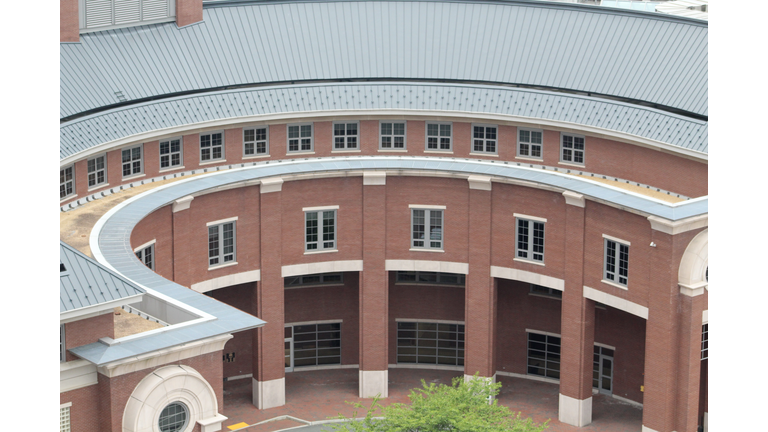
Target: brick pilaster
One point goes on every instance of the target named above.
(69, 21)
(188, 12)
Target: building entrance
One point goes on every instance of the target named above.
(602, 372)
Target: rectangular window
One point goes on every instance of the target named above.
(255, 141)
(170, 153)
(221, 244)
(529, 143)
(705, 341)
(316, 344)
(392, 135)
(545, 292)
(530, 240)
(300, 137)
(616, 262)
(602, 368)
(314, 240)
(434, 278)
(314, 279)
(572, 149)
(97, 171)
(132, 161)
(544, 355)
(345, 136)
(484, 139)
(147, 256)
(211, 146)
(427, 228)
(66, 182)
(64, 419)
(439, 136)
(62, 344)
(430, 343)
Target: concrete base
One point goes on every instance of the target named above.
(575, 412)
(212, 424)
(268, 394)
(374, 383)
(491, 380)
(705, 422)
(647, 429)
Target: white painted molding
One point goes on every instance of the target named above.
(693, 290)
(228, 280)
(271, 184)
(479, 182)
(705, 317)
(417, 320)
(574, 199)
(322, 267)
(145, 245)
(373, 384)
(212, 424)
(374, 178)
(163, 356)
(426, 206)
(320, 208)
(221, 221)
(269, 394)
(97, 309)
(605, 346)
(616, 239)
(65, 405)
(533, 218)
(427, 265)
(615, 285)
(182, 203)
(616, 302)
(526, 276)
(647, 429)
(692, 273)
(76, 374)
(543, 333)
(575, 412)
(676, 227)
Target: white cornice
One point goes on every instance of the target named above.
(676, 227)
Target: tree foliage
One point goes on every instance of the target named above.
(461, 407)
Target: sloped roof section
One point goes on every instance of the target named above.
(636, 56)
(84, 282)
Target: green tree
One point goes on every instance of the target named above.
(460, 407)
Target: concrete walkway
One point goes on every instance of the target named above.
(314, 396)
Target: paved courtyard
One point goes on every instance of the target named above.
(320, 395)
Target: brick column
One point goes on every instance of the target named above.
(180, 234)
(188, 12)
(689, 363)
(268, 341)
(374, 290)
(480, 293)
(577, 325)
(69, 21)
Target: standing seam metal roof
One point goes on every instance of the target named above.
(626, 54)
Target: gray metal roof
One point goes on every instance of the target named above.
(84, 282)
(634, 55)
(518, 104)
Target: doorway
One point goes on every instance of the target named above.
(602, 371)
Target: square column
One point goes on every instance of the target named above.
(480, 305)
(577, 326)
(268, 341)
(374, 290)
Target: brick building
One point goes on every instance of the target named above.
(507, 188)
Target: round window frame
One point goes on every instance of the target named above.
(187, 415)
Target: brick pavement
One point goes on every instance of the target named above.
(320, 395)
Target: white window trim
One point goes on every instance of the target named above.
(143, 257)
(426, 207)
(221, 255)
(106, 177)
(584, 152)
(145, 245)
(221, 221)
(255, 153)
(616, 239)
(141, 161)
(223, 157)
(426, 137)
(472, 150)
(530, 251)
(544, 333)
(74, 190)
(320, 249)
(617, 264)
(170, 154)
(311, 138)
(346, 147)
(517, 154)
(321, 208)
(427, 217)
(533, 218)
(405, 136)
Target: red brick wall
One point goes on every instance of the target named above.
(157, 226)
(241, 344)
(86, 331)
(69, 22)
(85, 408)
(626, 332)
(188, 12)
(602, 156)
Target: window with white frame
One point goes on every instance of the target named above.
(314, 279)
(221, 244)
(64, 417)
(705, 341)
(147, 256)
(572, 148)
(320, 230)
(392, 135)
(173, 418)
(170, 153)
(345, 136)
(616, 261)
(529, 143)
(132, 161)
(544, 355)
(439, 136)
(542, 291)
(300, 137)
(530, 240)
(97, 171)
(62, 344)
(66, 182)
(430, 343)
(434, 278)
(255, 141)
(484, 139)
(211, 146)
(316, 344)
(427, 228)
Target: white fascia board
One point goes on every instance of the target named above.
(97, 309)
